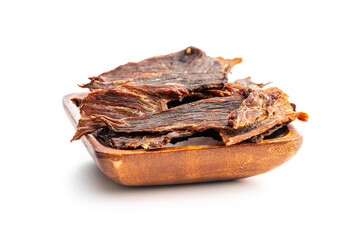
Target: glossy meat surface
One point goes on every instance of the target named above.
(185, 67)
(181, 95)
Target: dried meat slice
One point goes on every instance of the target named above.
(95, 103)
(186, 65)
(146, 140)
(190, 81)
(122, 102)
(233, 136)
(259, 105)
(267, 133)
(149, 140)
(214, 113)
(261, 111)
(241, 87)
(194, 116)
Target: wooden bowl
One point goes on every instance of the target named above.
(188, 164)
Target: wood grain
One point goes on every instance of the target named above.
(188, 164)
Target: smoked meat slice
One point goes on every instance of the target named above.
(122, 102)
(186, 65)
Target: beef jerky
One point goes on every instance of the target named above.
(247, 83)
(195, 116)
(77, 101)
(264, 110)
(242, 87)
(190, 60)
(182, 64)
(149, 140)
(190, 81)
(122, 102)
(95, 104)
(233, 136)
(146, 140)
(239, 88)
(259, 105)
(212, 113)
(267, 133)
(204, 114)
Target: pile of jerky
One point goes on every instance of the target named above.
(170, 98)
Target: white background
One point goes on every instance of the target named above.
(51, 189)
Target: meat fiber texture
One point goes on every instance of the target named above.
(170, 98)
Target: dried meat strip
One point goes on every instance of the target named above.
(259, 105)
(183, 64)
(267, 133)
(190, 81)
(261, 111)
(195, 116)
(149, 140)
(241, 87)
(146, 140)
(214, 113)
(77, 101)
(122, 102)
(155, 140)
(177, 96)
(190, 60)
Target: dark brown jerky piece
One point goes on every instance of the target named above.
(247, 83)
(183, 63)
(146, 140)
(190, 60)
(211, 113)
(77, 101)
(260, 137)
(149, 140)
(203, 114)
(190, 81)
(195, 116)
(241, 87)
(258, 105)
(263, 111)
(255, 131)
(122, 102)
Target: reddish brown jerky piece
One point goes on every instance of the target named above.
(260, 112)
(256, 106)
(88, 123)
(246, 83)
(122, 102)
(211, 113)
(77, 101)
(155, 140)
(259, 105)
(190, 81)
(195, 116)
(149, 140)
(241, 87)
(267, 133)
(233, 136)
(186, 64)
